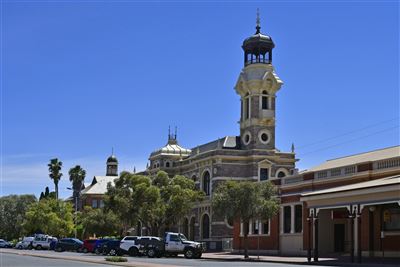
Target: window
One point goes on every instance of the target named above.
(391, 217)
(101, 204)
(298, 218)
(264, 100)
(94, 203)
(247, 107)
(206, 183)
(264, 174)
(287, 217)
(281, 174)
(167, 164)
(255, 227)
(205, 225)
(174, 238)
(265, 228)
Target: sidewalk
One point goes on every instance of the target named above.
(342, 261)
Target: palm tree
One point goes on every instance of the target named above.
(77, 176)
(55, 172)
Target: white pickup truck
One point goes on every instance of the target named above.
(174, 244)
(43, 241)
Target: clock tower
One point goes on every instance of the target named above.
(257, 86)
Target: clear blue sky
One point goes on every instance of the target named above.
(79, 78)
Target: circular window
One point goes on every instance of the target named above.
(281, 174)
(264, 136)
(246, 138)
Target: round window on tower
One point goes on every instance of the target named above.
(264, 136)
(246, 138)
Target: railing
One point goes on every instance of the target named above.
(257, 60)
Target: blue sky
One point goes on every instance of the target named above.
(81, 77)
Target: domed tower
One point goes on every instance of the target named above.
(112, 165)
(257, 85)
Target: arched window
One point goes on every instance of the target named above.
(206, 183)
(167, 164)
(264, 100)
(191, 235)
(281, 174)
(205, 227)
(186, 227)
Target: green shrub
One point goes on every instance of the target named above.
(116, 259)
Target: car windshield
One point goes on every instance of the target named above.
(182, 237)
(77, 240)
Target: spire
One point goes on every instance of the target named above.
(112, 151)
(258, 27)
(134, 169)
(292, 147)
(176, 132)
(169, 132)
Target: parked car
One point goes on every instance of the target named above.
(145, 242)
(43, 242)
(69, 244)
(128, 245)
(98, 245)
(88, 245)
(25, 243)
(173, 244)
(5, 244)
(111, 247)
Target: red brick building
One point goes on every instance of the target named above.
(345, 206)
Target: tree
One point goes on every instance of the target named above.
(12, 214)
(178, 196)
(55, 172)
(50, 216)
(77, 176)
(46, 192)
(127, 197)
(99, 222)
(245, 201)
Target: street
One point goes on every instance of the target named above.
(42, 258)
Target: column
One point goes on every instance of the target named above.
(241, 228)
(281, 220)
(351, 237)
(292, 219)
(309, 221)
(359, 237)
(251, 227)
(316, 238)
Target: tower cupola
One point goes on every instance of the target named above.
(258, 47)
(112, 165)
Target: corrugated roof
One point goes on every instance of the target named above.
(99, 185)
(375, 155)
(393, 180)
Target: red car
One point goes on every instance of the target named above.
(88, 245)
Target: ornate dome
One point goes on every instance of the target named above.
(112, 159)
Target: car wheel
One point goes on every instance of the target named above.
(133, 251)
(29, 247)
(189, 254)
(151, 253)
(97, 251)
(19, 247)
(38, 247)
(85, 250)
(58, 249)
(112, 252)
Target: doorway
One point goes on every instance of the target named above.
(339, 237)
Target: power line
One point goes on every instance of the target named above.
(350, 141)
(348, 133)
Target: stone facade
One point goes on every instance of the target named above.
(249, 156)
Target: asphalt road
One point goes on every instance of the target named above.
(13, 260)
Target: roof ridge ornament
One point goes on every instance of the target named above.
(258, 27)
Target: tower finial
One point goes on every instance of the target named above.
(176, 131)
(112, 150)
(258, 27)
(292, 148)
(169, 132)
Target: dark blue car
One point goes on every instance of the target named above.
(111, 247)
(98, 246)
